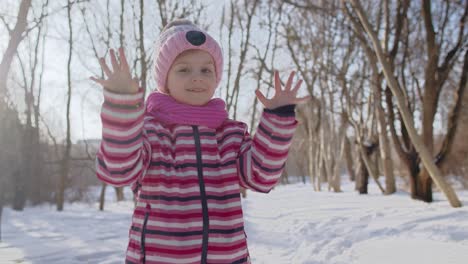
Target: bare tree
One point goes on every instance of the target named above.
(241, 15)
(65, 163)
(419, 144)
(8, 115)
(16, 36)
(376, 83)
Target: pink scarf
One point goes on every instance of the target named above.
(167, 110)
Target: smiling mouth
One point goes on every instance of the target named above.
(196, 90)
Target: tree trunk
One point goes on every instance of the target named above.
(385, 153)
(19, 192)
(65, 165)
(102, 197)
(366, 153)
(119, 194)
(423, 189)
(349, 159)
(1, 210)
(244, 192)
(387, 163)
(143, 62)
(418, 143)
(363, 177)
(16, 36)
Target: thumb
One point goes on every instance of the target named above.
(261, 97)
(135, 84)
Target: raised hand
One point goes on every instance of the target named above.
(119, 79)
(282, 97)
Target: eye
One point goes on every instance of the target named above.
(206, 70)
(183, 70)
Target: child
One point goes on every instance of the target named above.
(185, 159)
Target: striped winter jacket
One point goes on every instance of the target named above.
(187, 179)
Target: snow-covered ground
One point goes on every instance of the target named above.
(292, 224)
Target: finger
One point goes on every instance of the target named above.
(104, 67)
(261, 97)
(277, 82)
(100, 81)
(297, 86)
(115, 64)
(135, 84)
(123, 60)
(289, 82)
(302, 100)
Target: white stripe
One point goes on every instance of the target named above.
(192, 158)
(246, 144)
(226, 223)
(191, 173)
(231, 187)
(175, 207)
(209, 141)
(127, 115)
(269, 144)
(133, 254)
(120, 165)
(229, 141)
(211, 157)
(173, 260)
(125, 133)
(162, 142)
(267, 161)
(172, 172)
(277, 130)
(225, 256)
(185, 158)
(178, 190)
(227, 156)
(224, 206)
(227, 239)
(118, 180)
(192, 141)
(162, 206)
(168, 242)
(170, 225)
(157, 127)
(229, 130)
(248, 164)
(123, 97)
(268, 177)
(183, 128)
(285, 121)
(216, 173)
(120, 150)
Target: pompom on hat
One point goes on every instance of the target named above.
(176, 37)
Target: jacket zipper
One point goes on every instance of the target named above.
(143, 234)
(202, 195)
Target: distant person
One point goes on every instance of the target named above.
(185, 159)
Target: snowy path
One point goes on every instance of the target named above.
(292, 224)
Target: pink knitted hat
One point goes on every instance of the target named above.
(177, 37)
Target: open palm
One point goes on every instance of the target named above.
(282, 97)
(119, 79)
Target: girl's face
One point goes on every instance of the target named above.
(192, 78)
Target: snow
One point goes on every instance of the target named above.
(291, 224)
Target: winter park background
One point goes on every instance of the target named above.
(378, 170)
(292, 224)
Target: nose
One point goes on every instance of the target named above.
(197, 77)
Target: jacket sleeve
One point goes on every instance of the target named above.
(261, 160)
(124, 153)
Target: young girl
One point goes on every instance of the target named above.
(185, 159)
